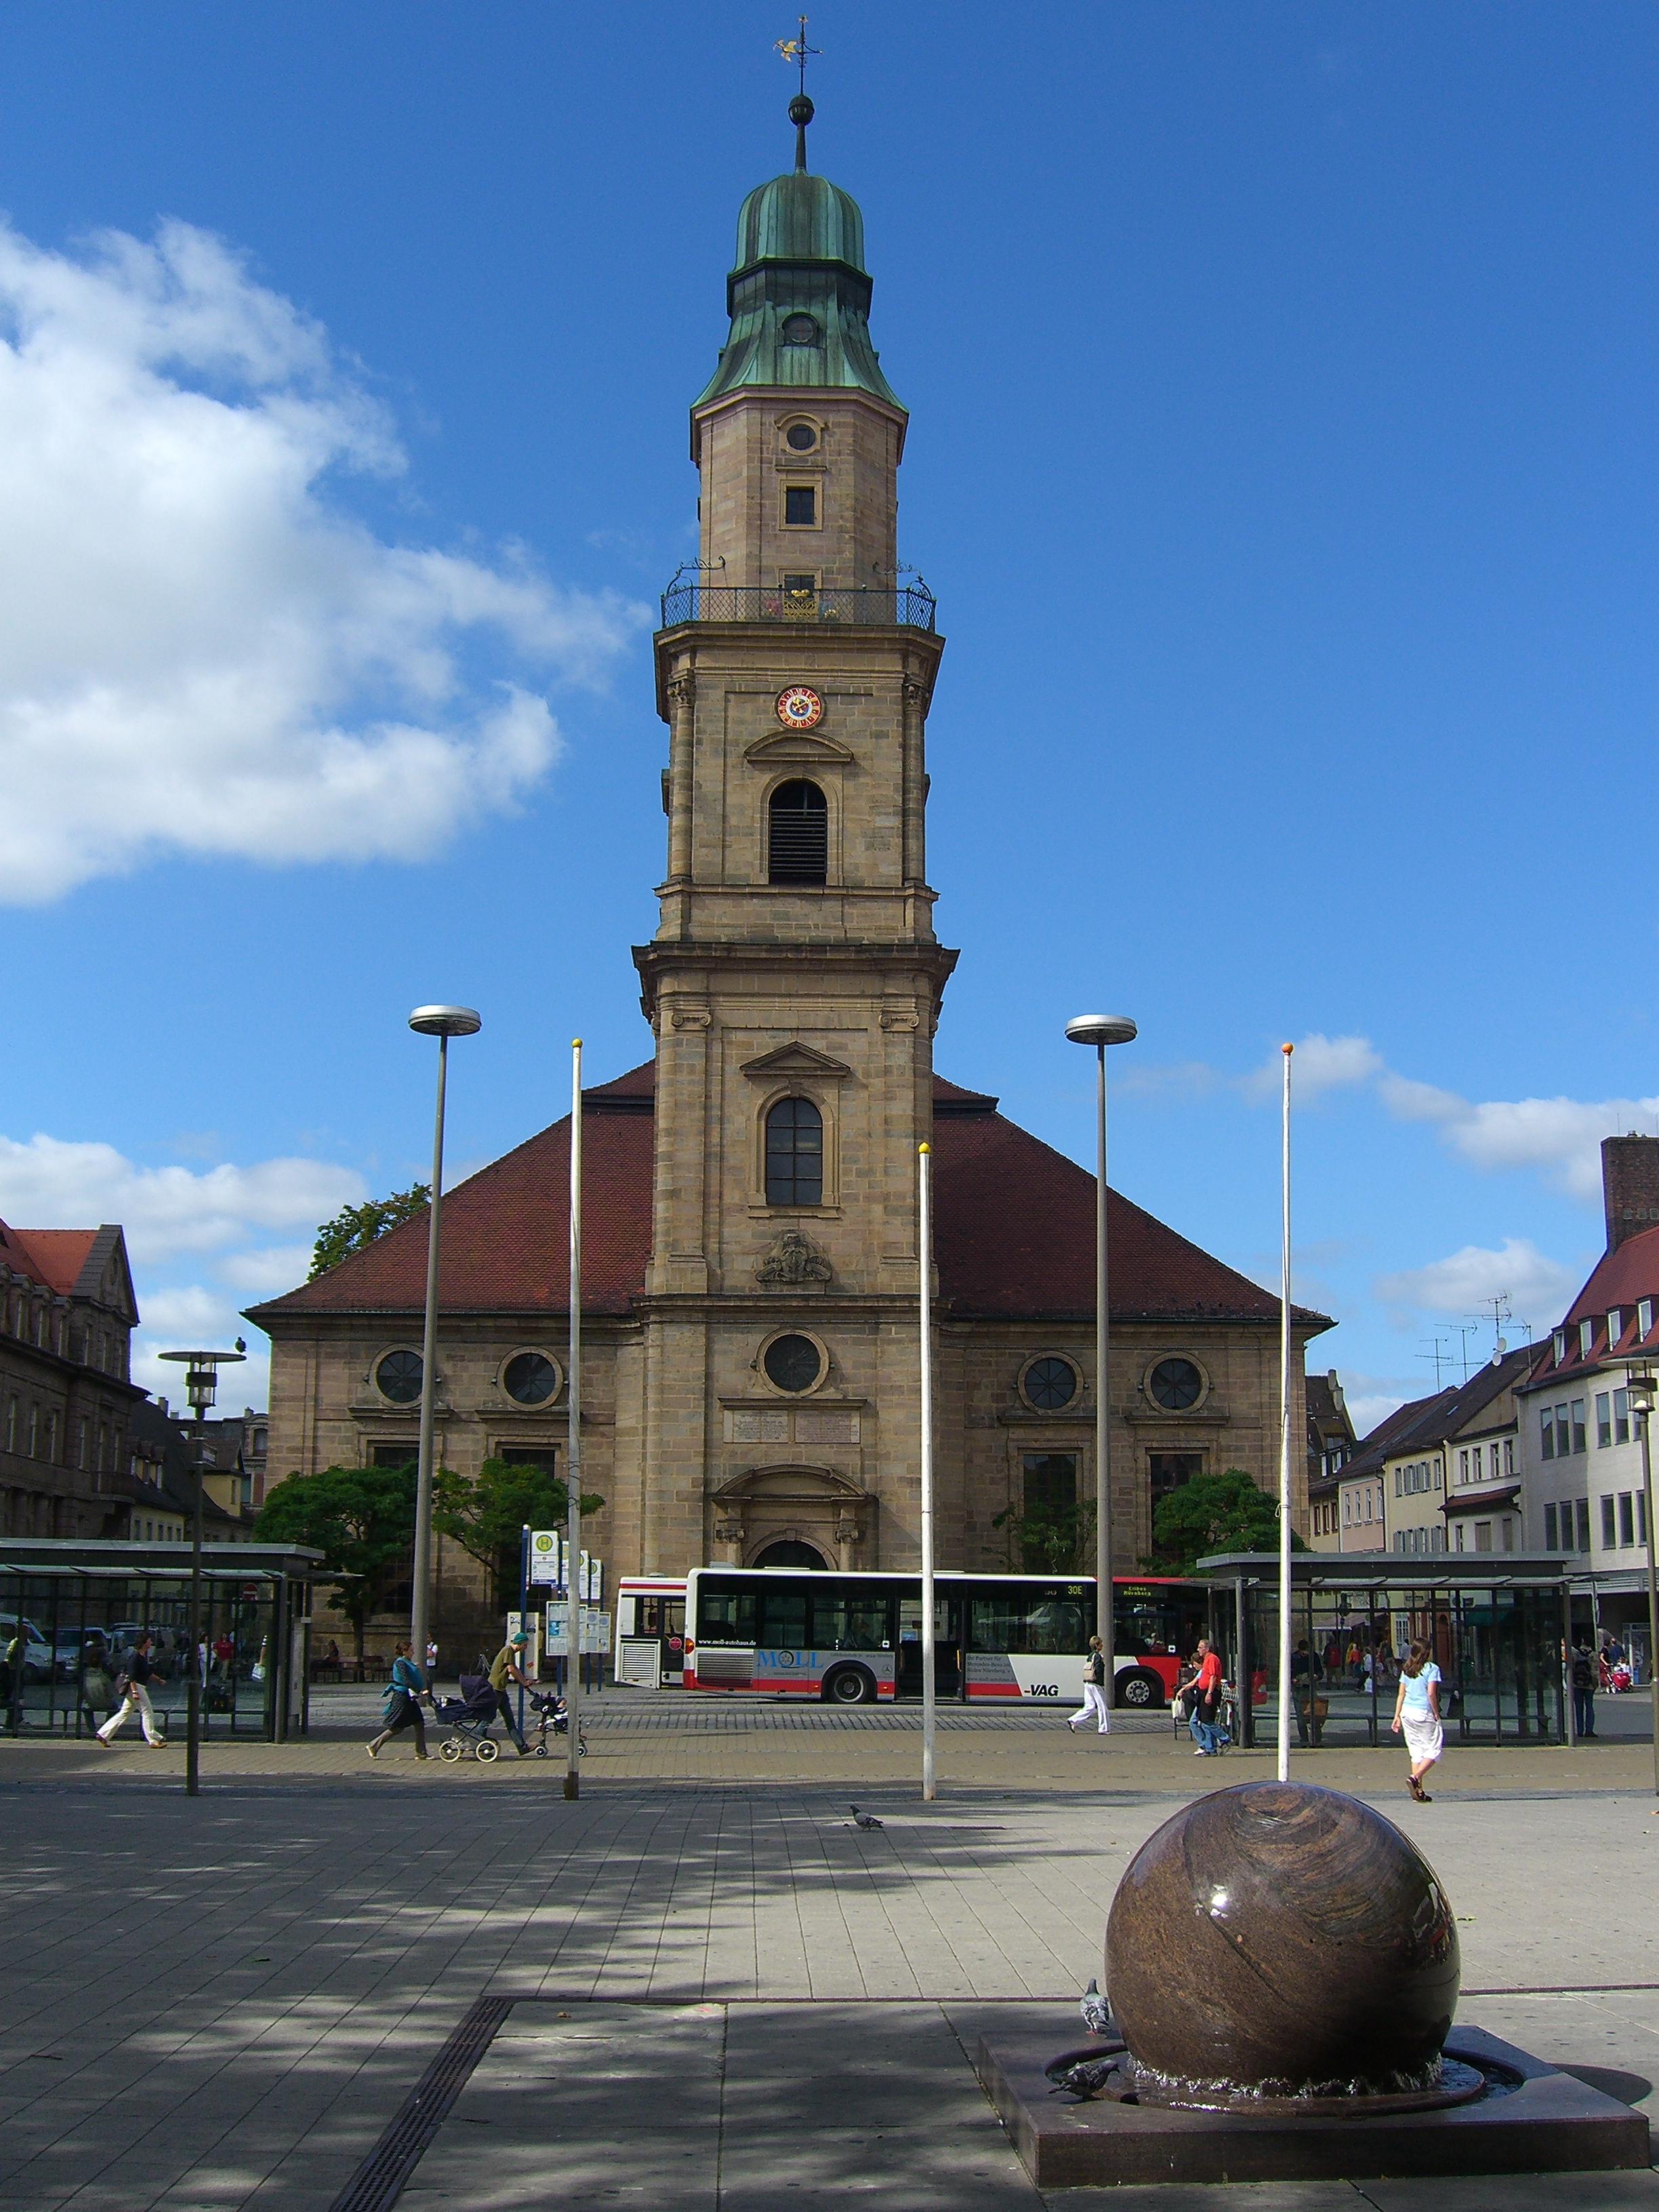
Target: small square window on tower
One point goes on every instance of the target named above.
(801, 507)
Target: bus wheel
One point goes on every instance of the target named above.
(850, 1685)
(1142, 1692)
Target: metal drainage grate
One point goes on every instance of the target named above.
(378, 2181)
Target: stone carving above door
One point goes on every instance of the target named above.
(793, 1259)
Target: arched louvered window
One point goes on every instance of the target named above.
(794, 1154)
(798, 847)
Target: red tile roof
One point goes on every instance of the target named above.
(1014, 1229)
(52, 1257)
(1620, 1278)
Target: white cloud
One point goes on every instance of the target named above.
(1318, 1064)
(1562, 1136)
(202, 651)
(1534, 1285)
(47, 1183)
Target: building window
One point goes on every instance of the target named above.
(798, 843)
(1558, 1346)
(1641, 1516)
(800, 437)
(1169, 1471)
(794, 1154)
(1048, 1383)
(1460, 1535)
(1049, 1512)
(1177, 1384)
(544, 1458)
(1616, 1327)
(1546, 1433)
(1603, 1420)
(1483, 1535)
(34, 1431)
(1508, 1533)
(1578, 1424)
(399, 1378)
(1586, 1338)
(1508, 1455)
(530, 1378)
(1582, 1505)
(1609, 1533)
(396, 1454)
(801, 507)
(1348, 1500)
(1550, 1544)
(1621, 1417)
(799, 330)
(792, 1363)
(1645, 1318)
(1462, 1466)
(52, 1439)
(1562, 1445)
(1626, 1520)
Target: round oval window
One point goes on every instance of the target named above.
(798, 330)
(793, 1363)
(530, 1378)
(1177, 1384)
(1050, 1384)
(399, 1378)
(802, 436)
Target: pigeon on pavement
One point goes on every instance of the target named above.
(865, 1820)
(1086, 2079)
(1096, 2013)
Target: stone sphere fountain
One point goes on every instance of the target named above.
(1277, 1942)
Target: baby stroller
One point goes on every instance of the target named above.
(470, 1717)
(553, 1720)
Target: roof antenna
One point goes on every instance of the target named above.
(796, 49)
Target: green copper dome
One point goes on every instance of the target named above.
(799, 296)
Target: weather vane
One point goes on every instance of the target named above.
(796, 49)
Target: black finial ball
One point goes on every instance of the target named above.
(1281, 1940)
(800, 110)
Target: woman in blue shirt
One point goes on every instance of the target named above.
(404, 1694)
(1417, 1712)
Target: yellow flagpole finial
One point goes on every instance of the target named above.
(924, 1148)
(576, 1044)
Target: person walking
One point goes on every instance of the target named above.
(1204, 1699)
(1417, 1712)
(97, 1695)
(1583, 1693)
(1094, 1690)
(504, 1668)
(132, 1687)
(404, 1694)
(1306, 1684)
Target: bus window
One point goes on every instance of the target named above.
(783, 1617)
(1021, 1618)
(851, 1620)
(726, 1614)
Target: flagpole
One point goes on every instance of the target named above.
(573, 1458)
(925, 1266)
(1285, 1436)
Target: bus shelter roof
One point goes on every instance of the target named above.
(1391, 1571)
(59, 1555)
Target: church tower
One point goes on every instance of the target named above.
(794, 982)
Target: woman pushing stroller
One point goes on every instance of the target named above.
(404, 1696)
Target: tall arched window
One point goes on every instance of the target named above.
(794, 1154)
(798, 845)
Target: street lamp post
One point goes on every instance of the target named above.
(442, 1023)
(1643, 1396)
(1100, 1031)
(201, 1388)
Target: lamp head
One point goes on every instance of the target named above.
(445, 1021)
(1643, 1390)
(1100, 1029)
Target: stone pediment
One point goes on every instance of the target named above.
(796, 747)
(794, 1059)
(793, 1259)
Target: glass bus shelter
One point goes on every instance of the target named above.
(1497, 1628)
(82, 1604)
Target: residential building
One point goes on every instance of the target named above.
(67, 1314)
(1331, 1445)
(1484, 1506)
(1362, 1487)
(1579, 1450)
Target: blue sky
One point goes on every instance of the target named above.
(1282, 455)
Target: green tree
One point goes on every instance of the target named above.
(1051, 1538)
(1214, 1513)
(486, 1514)
(355, 1226)
(362, 1519)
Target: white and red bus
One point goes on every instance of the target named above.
(854, 1639)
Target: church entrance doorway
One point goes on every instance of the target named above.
(788, 1552)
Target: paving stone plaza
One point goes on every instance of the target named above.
(708, 1986)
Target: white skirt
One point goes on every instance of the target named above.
(1425, 1738)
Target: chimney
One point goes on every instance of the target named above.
(1630, 1186)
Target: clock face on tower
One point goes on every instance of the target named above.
(800, 708)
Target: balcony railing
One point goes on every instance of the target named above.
(908, 606)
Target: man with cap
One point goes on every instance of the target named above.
(505, 1668)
